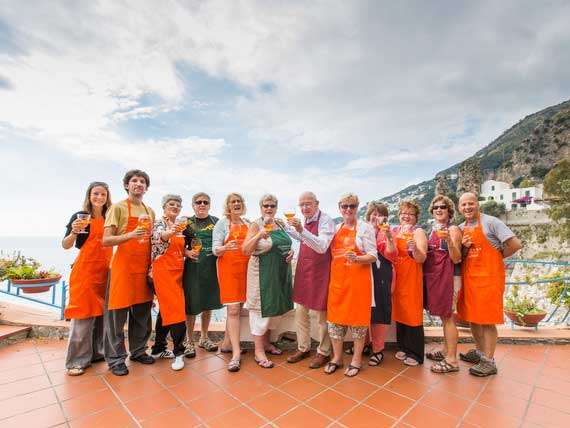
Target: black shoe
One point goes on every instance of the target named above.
(120, 369)
(143, 359)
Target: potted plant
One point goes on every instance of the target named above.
(25, 273)
(522, 310)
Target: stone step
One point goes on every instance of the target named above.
(13, 333)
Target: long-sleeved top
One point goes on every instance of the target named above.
(321, 243)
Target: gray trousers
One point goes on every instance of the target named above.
(85, 343)
(140, 327)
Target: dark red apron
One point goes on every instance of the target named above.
(312, 274)
(438, 277)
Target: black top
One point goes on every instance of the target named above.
(197, 223)
(81, 237)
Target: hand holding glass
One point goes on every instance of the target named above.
(144, 223)
(181, 223)
(85, 219)
(348, 248)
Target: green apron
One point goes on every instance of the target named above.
(201, 288)
(275, 278)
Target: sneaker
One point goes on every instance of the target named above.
(471, 356)
(208, 345)
(120, 369)
(178, 363)
(483, 368)
(167, 353)
(189, 349)
(143, 359)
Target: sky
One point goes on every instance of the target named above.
(260, 96)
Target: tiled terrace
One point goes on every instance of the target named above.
(531, 390)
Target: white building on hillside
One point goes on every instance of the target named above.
(513, 198)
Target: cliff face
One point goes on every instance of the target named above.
(529, 149)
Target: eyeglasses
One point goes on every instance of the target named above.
(174, 205)
(347, 206)
(202, 203)
(269, 206)
(440, 207)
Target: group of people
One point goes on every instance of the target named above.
(358, 275)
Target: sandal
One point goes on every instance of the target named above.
(351, 368)
(331, 367)
(443, 367)
(75, 371)
(400, 355)
(435, 355)
(189, 349)
(367, 350)
(234, 365)
(376, 358)
(229, 351)
(274, 350)
(264, 363)
(409, 361)
(208, 345)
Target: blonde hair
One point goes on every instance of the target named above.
(346, 196)
(227, 203)
(447, 201)
(376, 206)
(410, 204)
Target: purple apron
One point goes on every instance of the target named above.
(312, 274)
(438, 278)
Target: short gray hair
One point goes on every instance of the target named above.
(268, 197)
(170, 197)
(310, 195)
(200, 195)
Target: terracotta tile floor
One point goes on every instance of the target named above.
(532, 389)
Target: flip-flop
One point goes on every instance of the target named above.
(75, 371)
(350, 368)
(400, 355)
(264, 363)
(409, 361)
(335, 367)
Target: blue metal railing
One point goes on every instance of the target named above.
(14, 290)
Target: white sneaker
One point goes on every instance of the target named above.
(178, 363)
(167, 353)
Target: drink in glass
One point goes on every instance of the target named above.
(196, 244)
(181, 222)
(85, 219)
(144, 223)
(268, 224)
(289, 212)
(348, 248)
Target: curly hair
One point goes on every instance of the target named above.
(447, 201)
(376, 206)
(410, 204)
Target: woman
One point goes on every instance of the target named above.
(384, 278)
(167, 265)
(350, 287)
(443, 280)
(407, 298)
(228, 236)
(200, 281)
(88, 280)
(269, 278)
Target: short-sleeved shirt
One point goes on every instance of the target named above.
(494, 229)
(81, 237)
(118, 215)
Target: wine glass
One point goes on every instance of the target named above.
(85, 219)
(235, 231)
(468, 230)
(348, 247)
(382, 223)
(441, 232)
(289, 212)
(268, 224)
(181, 222)
(196, 245)
(144, 223)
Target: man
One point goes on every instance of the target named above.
(128, 295)
(486, 242)
(310, 289)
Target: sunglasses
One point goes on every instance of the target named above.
(347, 206)
(202, 203)
(440, 207)
(269, 206)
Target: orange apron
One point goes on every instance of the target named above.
(407, 298)
(88, 280)
(129, 268)
(167, 272)
(350, 287)
(232, 271)
(480, 299)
